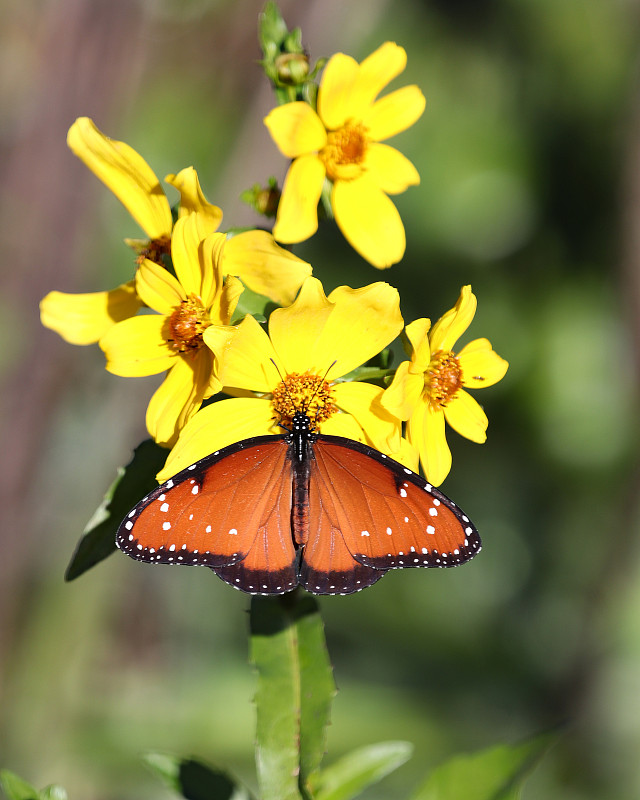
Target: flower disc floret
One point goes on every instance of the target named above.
(443, 379)
(186, 325)
(344, 153)
(307, 392)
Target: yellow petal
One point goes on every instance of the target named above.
(225, 302)
(178, 397)
(426, 432)
(295, 331)
(402, 397)
(192, 199)
(344, 425)
(296, 129)
(85, 318)
(376, 71)
(390, 170)
(337, 333)
(264, 267)
(246, 362)
(480, 365)
(393, 113)
(369, 221)
(297, 218)
(335, 96)
(158, 288)
(363, 322)
(218, 338)
(210, 257)
(191, 267)
(362, 401)
(137, 347)
(450, 327)
(417, 334)
(466, 417)
(126, 173)
(217, 426)
(407, 455)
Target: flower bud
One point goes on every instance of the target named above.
(292, 68)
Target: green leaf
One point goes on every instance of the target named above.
(352, 774)
(257, 305)
(15, 788)
(294, 692)
(194, 780)
(493, 774)
(133, 482)
(53, 792)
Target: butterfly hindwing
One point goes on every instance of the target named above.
(328, 567)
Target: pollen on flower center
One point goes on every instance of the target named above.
(307, 392)
(186, 325)
(344, 152)
(153, 250)
(443, 379)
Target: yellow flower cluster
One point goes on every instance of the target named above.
(178, 314)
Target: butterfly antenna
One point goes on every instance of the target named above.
(324, 377)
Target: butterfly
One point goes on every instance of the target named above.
(273, 512)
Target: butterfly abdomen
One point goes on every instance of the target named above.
(300, 472)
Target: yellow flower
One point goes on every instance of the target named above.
(195, 301)
(342, 142)
(253, 255)
(310, 345)
(430, 388)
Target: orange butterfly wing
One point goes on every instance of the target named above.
(230, 511)
(370, 514)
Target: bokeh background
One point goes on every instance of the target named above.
(529, 152)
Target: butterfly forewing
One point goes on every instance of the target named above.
(389, 517)
(215, 512)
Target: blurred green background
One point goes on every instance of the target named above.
(529, 152)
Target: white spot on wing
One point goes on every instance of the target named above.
(166, 526)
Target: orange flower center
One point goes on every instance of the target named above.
(344, 152)
(307, 392)
(186, 325)
(443, 379)
(154, 249)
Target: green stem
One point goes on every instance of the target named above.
(294, 693)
